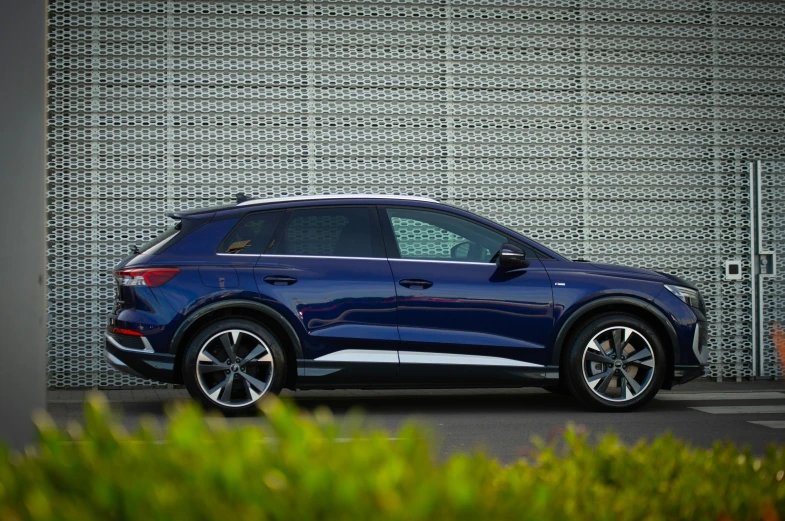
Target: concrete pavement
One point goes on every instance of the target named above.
(502, 422)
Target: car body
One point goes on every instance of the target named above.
(373, 291)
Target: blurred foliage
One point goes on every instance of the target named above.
(310, 467)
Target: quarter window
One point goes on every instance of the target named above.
(252, 234)
(331, 232)
(426, 235)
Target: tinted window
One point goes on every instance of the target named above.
(422, 234)
(252, 234)
(153, 246)
(334, 231)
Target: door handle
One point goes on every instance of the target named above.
(415, 283)
(280, 280)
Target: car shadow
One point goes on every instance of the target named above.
(425, 402)
(419, 404)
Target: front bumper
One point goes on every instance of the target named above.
(142, 363)
(700, 348)
(686, 373)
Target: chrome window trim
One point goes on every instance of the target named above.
(270, 255)
(147, 347)
(447, 262)
(322, 197)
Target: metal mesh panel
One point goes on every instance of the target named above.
(616, 131)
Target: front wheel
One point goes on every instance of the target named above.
(231, 364)
(616, 362)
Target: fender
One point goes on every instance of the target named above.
(236, 303)
(605, 301)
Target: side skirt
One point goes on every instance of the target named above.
(315, 374)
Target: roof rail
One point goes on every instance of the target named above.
(334, 196)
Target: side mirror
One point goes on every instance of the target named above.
(511, 257)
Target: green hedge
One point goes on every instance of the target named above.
(307, 468)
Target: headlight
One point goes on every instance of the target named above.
(687, 295)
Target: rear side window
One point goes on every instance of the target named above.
(332, 232)
(155, 245)
(252, 234)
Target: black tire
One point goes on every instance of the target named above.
(615, 377)
(243, 344)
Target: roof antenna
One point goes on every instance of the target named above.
(241, 198)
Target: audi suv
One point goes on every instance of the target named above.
(382, 291)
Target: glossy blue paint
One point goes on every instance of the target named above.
(337, 304)
(475, 309)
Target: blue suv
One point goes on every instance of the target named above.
(372, 291)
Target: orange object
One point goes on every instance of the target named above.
(778, 337)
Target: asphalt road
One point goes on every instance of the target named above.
(502, 422)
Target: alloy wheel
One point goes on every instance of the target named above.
(234, 368)
(618, 364)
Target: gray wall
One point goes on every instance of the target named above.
(617, 131)
(22, 217)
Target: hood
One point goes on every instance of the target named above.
(641, 273)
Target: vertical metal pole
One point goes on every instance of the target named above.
(22, 218)
(755, 278)
(757, 282)
(753, 271)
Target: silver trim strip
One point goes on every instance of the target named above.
(321, 197)
(446, 262)
(269, 256)
(416, 357)
(147, 347)
(361, 355)
(702, 356)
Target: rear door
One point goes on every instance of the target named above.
(462, 320)
(327, 271)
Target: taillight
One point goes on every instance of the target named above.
(129, 332)
(150, 277)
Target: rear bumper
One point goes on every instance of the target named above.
(140, 363)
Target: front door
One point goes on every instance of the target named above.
(463, 320)
(327, 269)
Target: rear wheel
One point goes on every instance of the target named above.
(231, 364)
(616, 362)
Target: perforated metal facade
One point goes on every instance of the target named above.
(613, 130)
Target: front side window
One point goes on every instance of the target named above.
(427, 235)
(331, 232)
(252, 234)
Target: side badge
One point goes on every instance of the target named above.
(559, 284)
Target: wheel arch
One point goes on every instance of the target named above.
(268, 317)
(622, 304)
